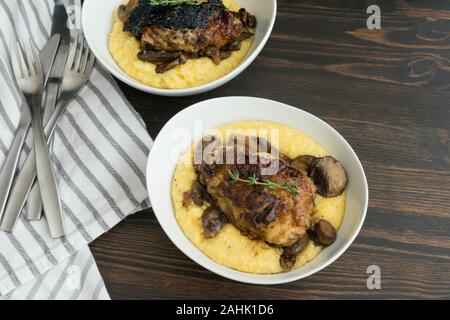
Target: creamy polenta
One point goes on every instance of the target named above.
(231, 248)
(124, 49)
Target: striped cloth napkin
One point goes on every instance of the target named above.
(100, 154)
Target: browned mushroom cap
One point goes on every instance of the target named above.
(323, 233)
(287, 263)
(329, 176)
(213, 221)
(289, 254)
(303, 163)
(297, 248)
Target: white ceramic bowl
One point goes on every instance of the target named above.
(97, 22)
(217, 112)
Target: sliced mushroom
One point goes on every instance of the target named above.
(206, 196)
(182, 59)
(187, 199)
(213, 221)
(232, 46)
(323, 233)
(197, 193)
(303, 163)
(166, 66)
(215, 56)
(329, 176)
(158, 56)
(225, 55)
(213, 53)
(244, 36)
(122, 12)
(247, 19)
(253, 146)
(243, 14)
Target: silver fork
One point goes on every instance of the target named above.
(34, 202)
(9, 168)
(76, 75)
(30, 79)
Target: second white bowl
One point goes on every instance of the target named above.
(213, 113)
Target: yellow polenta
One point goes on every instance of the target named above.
(124, 49)
(231, 248)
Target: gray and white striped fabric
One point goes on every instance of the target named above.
(100, 155)
(76, 278)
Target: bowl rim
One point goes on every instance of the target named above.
(122, 76)
(233, 274)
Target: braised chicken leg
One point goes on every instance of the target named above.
(274, 208)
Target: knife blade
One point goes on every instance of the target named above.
(59, 26)
(47, 56)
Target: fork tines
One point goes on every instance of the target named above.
(27, 67)
(80, 56)
(24, 68)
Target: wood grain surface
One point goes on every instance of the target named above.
(388, 93)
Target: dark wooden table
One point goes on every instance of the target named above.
(388, 92)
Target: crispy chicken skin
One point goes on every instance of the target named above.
(276, 216)
(186, 28)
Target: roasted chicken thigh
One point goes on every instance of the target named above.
(274, 208)
(171, 34)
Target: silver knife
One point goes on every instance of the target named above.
(47, 56)
(59, 26)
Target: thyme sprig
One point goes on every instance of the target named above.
(174, 2)
(270, 184)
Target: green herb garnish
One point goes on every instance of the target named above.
(269, 184)
(174, 2)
